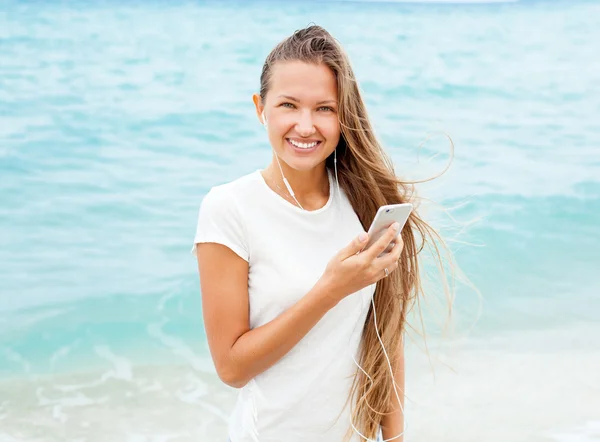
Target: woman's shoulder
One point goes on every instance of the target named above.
(238, 188)
(238, 192)
(221, 215)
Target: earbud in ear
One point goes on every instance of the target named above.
(264, 119)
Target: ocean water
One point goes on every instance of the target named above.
(116, 118)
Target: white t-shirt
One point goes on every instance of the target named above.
(299, 398)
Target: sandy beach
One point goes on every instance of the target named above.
(543, 387)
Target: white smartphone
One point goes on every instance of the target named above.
(385, 217)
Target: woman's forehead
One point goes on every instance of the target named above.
(304, 81)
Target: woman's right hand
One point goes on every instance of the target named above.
(353, 268)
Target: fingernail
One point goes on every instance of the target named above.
(395, 226)
(363, 236)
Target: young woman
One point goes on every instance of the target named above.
(287, 289)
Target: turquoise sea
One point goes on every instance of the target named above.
(116, 118)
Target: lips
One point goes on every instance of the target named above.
(304, 146)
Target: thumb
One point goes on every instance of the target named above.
(355, 246)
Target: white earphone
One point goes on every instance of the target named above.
(289, 188)
(285, 181)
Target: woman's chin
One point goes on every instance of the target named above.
(304, 160)
(303, 164)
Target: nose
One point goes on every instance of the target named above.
(304, 125)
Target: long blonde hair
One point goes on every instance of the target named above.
(367, 176)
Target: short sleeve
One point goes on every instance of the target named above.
(219, 222)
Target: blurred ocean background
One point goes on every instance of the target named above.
(116, 118)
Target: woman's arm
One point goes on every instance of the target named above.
(238, 352)
(393, 424)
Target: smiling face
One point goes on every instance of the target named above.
(300, 108)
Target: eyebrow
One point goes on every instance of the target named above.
(298, 101)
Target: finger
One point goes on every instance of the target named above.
(355, 246)
(383, 265)
(391, 258)
(398, 247)
(380, 245)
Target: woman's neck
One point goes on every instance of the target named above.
(311, 187)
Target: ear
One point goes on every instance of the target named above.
(258, 104)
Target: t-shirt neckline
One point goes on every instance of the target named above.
(274, 195)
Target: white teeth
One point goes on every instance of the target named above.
(303, 145)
